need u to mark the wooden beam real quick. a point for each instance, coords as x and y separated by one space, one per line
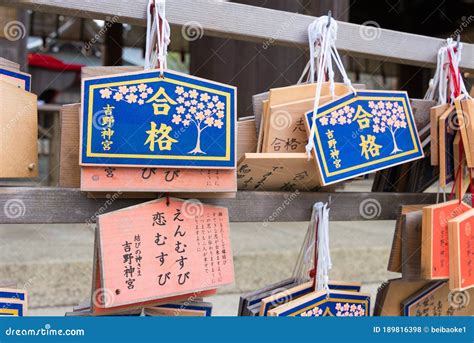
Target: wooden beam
31 205
244 22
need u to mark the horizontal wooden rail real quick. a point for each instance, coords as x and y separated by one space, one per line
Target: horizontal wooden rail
31 205
266 26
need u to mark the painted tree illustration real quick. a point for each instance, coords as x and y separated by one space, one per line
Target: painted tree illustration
383 116
388 116
200 110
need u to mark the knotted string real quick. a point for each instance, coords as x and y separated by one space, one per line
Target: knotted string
157 37
322 34
323 263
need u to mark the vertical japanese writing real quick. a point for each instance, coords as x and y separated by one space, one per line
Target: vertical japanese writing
107 124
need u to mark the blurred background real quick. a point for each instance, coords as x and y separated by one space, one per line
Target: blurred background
55 261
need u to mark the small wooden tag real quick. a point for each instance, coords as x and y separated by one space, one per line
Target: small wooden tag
461 249
435 242
158 250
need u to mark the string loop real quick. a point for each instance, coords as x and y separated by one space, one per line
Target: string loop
157 37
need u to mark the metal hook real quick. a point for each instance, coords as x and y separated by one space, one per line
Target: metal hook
329 18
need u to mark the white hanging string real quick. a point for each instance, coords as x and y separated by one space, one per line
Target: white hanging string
305 260
442 82
324 255
322 34
158 36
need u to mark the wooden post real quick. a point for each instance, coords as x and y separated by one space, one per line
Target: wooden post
113 45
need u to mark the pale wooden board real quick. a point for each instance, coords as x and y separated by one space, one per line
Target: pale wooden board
9 64
274 171
463 125
392 293
19 132
436 302
467 107
69 169
66 205
101 71
411 245
395 259
244 22
247 137
435 113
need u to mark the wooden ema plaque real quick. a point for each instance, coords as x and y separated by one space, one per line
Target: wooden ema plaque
391 294
19 132
461 249
324 304
435 113
361 133
274 171
13 302
148 119
435 243
125 179
435 299
282 296
158 251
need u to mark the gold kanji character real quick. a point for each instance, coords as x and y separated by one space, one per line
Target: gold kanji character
107 133
330 134
332 143
161 102
108 121
160 136
363 118
369 147
108 110
334 153
106 145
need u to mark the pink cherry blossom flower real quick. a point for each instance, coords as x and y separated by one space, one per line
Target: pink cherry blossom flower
105 93
176 119
179 90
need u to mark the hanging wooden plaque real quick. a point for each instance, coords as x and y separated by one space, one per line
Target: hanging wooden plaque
362 133
144 119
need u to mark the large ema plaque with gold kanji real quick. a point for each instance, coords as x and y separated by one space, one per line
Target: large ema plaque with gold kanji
145 119
364 132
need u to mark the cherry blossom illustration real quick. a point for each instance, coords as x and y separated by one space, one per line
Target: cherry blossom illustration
199 109
384 116
133 94
349 310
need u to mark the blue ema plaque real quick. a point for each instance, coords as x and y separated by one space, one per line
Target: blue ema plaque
23 77
144 119
362 133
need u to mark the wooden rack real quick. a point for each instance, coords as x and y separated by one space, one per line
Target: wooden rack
249 23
